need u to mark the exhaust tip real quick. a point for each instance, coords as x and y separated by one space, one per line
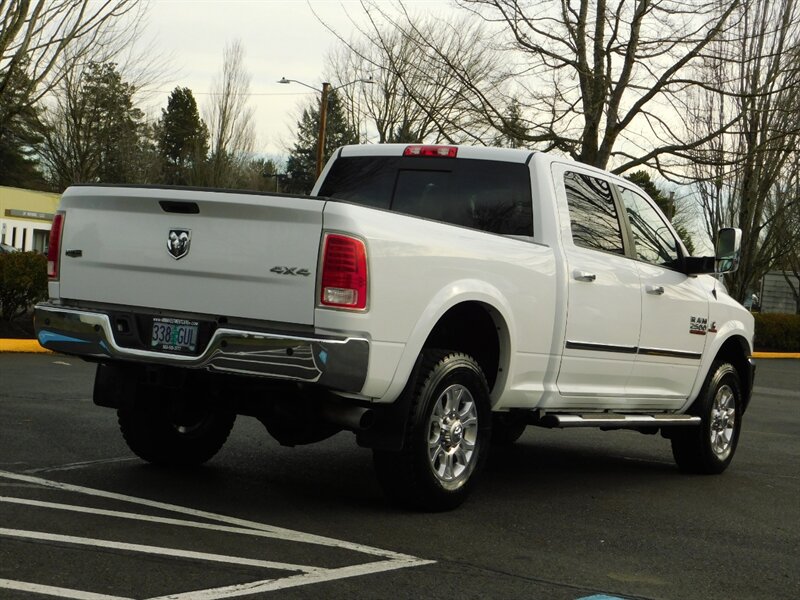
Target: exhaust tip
367 419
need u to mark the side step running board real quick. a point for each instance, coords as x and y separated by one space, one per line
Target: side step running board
616 421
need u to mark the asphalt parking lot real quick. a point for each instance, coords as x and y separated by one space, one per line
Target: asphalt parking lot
561 515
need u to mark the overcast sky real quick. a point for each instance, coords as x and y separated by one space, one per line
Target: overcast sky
280 38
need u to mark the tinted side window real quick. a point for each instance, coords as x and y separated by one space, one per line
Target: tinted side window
487 195
368 181
654 241
494 196
592 213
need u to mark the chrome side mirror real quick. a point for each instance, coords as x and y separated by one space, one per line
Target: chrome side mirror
729 249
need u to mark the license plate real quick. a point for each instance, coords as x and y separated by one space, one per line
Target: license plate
174 335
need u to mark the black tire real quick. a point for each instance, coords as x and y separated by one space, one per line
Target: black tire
709 448
176 436
447 436
507 428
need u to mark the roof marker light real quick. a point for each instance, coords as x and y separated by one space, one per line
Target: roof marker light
428 150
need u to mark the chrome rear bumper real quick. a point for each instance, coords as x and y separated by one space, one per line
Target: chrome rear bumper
339 364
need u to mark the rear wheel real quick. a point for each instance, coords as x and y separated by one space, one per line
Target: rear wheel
177 435
447 435
710 447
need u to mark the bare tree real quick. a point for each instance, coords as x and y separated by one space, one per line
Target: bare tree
788 228
602 80
417 96
38 34
230 119
747 176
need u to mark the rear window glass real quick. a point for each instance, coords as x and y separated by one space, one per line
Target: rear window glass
488 195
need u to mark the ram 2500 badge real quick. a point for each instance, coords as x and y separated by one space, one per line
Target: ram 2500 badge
432 299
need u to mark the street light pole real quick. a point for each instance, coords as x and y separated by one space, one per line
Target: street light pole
323 112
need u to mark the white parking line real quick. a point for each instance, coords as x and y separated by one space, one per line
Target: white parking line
307 574
157 550
277 532
137 517
270 585
49 590
80 465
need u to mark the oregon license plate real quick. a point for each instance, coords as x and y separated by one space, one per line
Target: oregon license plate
174 335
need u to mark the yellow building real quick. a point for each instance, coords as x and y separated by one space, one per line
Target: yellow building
25 217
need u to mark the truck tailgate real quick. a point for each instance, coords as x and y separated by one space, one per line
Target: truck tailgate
256 255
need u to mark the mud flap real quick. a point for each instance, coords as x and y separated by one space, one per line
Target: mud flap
391 420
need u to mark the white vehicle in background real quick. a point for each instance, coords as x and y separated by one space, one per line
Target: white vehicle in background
431 299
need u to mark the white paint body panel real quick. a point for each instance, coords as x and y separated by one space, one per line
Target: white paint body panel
236 240
665 325
418 270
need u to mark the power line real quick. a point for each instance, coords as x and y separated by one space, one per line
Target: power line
231 94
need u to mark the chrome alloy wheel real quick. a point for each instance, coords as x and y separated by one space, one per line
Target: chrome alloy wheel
723 422
452 435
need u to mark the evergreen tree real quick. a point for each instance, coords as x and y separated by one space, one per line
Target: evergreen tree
96 133
19 131
182 139
513 129
259 174
302 164
114 122
403 134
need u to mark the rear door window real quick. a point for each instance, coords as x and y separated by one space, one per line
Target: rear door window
593 214
488 195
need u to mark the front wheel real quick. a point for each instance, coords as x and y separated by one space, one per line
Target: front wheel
709 448
447 435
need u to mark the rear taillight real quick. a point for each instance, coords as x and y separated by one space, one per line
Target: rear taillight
344 272
427 150
54 246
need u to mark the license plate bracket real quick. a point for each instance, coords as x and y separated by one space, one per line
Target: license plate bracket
174 335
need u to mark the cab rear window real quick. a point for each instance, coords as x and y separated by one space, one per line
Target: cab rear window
488 195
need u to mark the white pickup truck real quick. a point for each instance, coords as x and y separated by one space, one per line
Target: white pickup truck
432 299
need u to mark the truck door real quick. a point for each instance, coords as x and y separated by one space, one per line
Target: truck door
604 298
675 307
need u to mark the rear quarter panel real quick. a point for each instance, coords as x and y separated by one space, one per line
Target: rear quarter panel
420 269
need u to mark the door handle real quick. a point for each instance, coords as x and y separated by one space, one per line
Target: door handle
583 276
655 290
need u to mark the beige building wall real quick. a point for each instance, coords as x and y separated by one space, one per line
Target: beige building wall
25 217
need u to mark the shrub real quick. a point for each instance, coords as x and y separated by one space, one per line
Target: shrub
23 282
777 332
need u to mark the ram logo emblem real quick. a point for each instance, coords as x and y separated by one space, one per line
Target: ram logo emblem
178 242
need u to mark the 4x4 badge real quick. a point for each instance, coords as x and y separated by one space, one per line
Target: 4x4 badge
178 242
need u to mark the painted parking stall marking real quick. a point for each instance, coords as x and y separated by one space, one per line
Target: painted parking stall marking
378 560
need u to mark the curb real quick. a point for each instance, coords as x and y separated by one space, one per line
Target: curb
32 346
776 354
27 346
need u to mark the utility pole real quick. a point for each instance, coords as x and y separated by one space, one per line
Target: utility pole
323 124
323 111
